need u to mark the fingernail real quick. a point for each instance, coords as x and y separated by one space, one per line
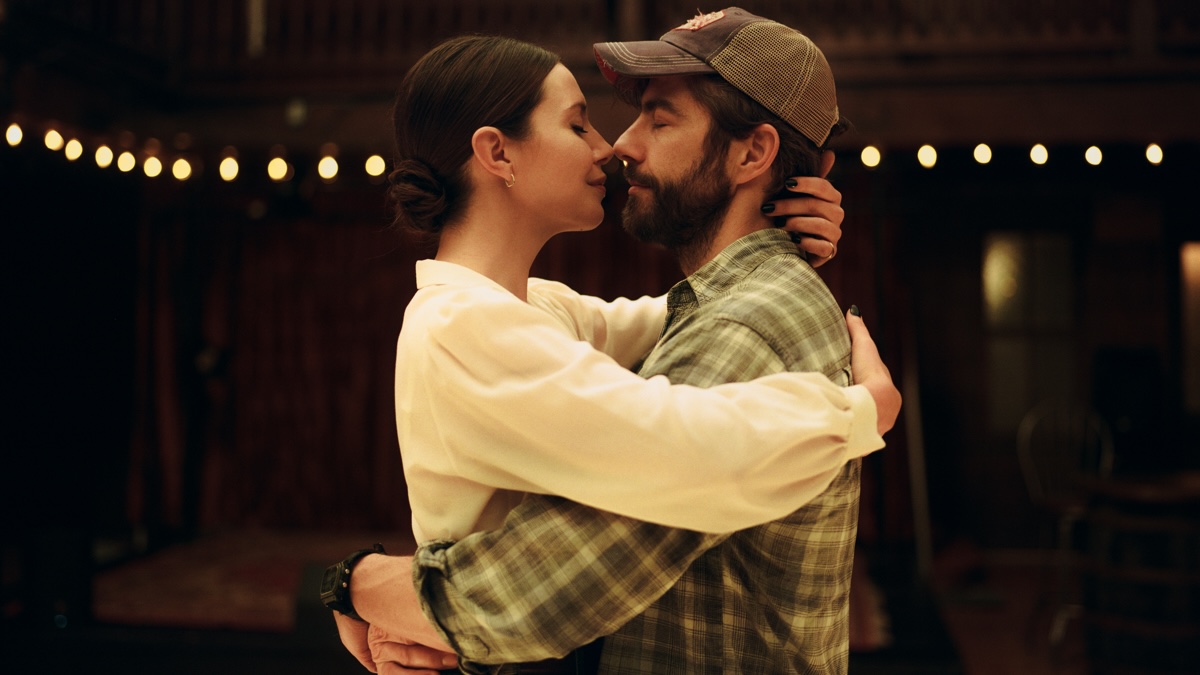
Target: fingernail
854 310
768 208
789 183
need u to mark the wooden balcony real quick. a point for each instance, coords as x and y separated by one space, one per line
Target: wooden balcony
907 69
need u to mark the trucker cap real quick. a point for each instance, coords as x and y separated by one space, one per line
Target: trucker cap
773 64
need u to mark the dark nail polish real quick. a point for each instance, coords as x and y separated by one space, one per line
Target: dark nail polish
789 183
768 208
854 310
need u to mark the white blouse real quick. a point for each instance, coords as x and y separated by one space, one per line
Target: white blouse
496 397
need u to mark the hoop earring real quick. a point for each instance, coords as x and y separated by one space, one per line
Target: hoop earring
511 181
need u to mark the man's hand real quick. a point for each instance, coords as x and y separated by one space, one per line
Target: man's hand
387 654
396 656
870 371
354 639
815 214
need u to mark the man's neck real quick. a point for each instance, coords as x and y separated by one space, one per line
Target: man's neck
742 218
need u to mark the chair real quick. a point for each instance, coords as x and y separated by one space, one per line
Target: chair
1060 442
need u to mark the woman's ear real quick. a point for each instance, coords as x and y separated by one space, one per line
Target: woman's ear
755 154
487 145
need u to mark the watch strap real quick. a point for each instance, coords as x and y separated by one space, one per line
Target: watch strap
335 591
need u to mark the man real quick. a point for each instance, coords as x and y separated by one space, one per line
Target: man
730 104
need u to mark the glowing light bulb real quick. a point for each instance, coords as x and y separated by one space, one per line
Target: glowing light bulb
1039 154
277 169
104 156
228 169
1093 156
54 140
375 166
927 156
871 156
13 134
983 154
73 149
327 168
126 162
1154 154
181 169
152 166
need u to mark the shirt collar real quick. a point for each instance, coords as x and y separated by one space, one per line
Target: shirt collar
441 273
732 265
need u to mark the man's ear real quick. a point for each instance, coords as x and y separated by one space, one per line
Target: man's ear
826 163
487 145
755 154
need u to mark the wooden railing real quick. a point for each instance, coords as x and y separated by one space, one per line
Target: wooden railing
215 48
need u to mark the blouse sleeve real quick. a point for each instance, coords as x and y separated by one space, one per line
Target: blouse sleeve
519 405
624 329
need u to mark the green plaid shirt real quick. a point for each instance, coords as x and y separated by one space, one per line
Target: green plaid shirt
768 599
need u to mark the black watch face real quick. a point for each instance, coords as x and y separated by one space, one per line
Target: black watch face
330 581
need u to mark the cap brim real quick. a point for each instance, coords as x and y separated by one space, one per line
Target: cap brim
648 58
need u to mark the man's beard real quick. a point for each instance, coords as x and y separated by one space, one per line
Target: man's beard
682 215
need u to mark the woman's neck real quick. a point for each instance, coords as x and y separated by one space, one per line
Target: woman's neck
500 247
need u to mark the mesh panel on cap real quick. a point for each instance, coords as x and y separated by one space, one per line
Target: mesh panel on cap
784 72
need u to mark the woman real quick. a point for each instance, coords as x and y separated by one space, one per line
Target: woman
507 384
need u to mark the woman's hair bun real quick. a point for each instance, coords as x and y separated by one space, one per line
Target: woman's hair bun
419 194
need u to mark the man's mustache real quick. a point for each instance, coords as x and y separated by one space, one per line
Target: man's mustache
634 176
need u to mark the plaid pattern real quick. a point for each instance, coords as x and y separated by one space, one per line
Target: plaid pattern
769 599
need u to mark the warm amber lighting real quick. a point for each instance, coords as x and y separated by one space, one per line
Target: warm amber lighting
181 169
983 154
927 156
375 166
1154 154
228 169
1002 270
278 169
14 134
104 156
152 167
1039 154
1189 273
1093 156
327 168
126 162
871 156
54 140
73 149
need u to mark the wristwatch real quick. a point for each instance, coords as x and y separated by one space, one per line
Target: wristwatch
335 585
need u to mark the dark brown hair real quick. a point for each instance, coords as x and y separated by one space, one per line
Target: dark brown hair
735 115
459 86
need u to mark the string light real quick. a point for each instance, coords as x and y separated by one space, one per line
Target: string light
927 156
870 156
278 169
152 166
1154 154
328 166
375 166
327 169
104 156
181 169
228 169
54 140
1039 154
73 150
983 153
